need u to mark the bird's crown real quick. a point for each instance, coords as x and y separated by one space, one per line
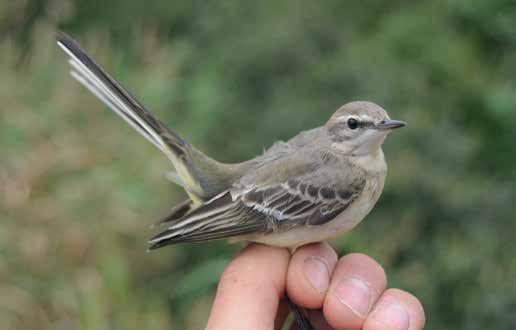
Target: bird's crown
363 111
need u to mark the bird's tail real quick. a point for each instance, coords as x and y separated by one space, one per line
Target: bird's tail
200 175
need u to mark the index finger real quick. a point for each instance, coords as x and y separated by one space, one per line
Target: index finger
250 289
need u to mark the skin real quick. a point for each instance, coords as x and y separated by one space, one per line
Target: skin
346 293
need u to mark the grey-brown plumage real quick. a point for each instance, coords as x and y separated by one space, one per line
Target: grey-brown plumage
313 187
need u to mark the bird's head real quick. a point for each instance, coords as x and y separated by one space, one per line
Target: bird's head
359 128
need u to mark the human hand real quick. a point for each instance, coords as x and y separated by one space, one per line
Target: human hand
349 293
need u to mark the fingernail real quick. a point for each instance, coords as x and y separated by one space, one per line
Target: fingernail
355 294
317 273
393 316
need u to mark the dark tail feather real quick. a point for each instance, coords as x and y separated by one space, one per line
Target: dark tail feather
201 176
90 74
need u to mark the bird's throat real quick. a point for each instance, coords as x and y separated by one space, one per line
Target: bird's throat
372 162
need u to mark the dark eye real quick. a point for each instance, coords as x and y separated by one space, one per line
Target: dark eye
352 123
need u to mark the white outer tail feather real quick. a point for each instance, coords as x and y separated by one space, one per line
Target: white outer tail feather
88 79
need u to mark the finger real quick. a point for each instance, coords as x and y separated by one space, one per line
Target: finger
396 310
356 284
250 289
308 276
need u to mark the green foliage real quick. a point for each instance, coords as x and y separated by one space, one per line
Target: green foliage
79 189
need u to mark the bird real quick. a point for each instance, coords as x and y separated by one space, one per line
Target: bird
314 187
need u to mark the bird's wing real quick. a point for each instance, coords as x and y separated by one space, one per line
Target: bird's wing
189 163
311 199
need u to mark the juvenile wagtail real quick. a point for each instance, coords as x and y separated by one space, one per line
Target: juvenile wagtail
314 187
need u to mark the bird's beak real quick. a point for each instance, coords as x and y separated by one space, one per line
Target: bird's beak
390 124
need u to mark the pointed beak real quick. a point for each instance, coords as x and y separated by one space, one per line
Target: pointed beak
390 124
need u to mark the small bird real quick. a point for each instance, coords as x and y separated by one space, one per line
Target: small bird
314 187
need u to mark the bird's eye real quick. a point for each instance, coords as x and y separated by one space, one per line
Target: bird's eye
352 123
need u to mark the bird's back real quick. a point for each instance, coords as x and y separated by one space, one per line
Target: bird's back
302 153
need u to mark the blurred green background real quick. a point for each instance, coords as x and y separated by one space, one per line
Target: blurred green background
79 188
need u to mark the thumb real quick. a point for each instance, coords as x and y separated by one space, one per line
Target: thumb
250 289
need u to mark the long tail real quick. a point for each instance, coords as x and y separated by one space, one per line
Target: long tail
200 175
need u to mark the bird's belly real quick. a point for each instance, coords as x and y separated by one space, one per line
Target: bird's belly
342 223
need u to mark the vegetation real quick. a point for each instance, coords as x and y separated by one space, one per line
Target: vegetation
79 189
